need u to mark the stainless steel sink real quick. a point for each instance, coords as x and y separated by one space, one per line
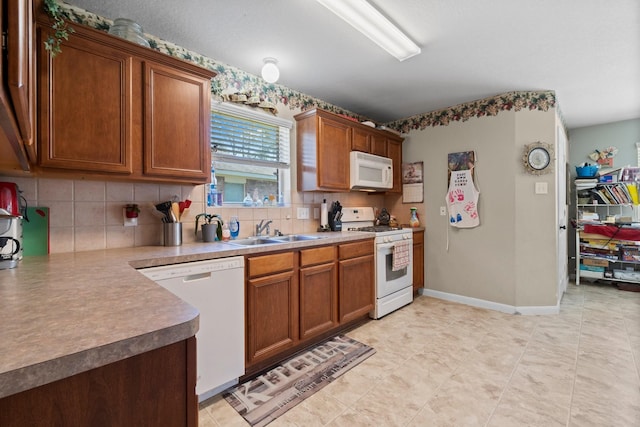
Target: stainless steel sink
296 238
254 242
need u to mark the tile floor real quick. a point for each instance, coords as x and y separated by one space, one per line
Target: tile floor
444 364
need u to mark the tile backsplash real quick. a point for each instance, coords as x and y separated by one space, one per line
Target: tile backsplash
87 215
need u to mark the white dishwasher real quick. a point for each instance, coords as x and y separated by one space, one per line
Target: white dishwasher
216 288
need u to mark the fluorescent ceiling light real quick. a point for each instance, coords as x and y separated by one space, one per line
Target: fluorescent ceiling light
366 19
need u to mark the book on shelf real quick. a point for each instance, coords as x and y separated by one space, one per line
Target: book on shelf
618 193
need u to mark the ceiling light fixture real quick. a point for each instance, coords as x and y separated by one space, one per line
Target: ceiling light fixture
270 72
366 19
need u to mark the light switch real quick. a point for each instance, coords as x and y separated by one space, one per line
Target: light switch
542 188
303 213
443 210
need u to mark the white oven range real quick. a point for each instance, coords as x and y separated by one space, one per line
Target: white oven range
393 288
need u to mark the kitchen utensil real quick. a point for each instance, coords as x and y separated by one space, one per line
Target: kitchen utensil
175 211
165 208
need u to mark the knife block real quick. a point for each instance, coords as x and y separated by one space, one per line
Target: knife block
334 225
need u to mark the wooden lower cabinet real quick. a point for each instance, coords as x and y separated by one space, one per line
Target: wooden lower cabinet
356 278
418 260
156 388
271 306
318 291
297 298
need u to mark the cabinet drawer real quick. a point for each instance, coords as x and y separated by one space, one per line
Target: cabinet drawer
268 264
353 250
317 255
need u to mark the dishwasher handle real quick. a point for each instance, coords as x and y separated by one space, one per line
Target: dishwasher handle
196 277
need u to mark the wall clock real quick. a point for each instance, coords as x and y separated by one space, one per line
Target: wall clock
538 158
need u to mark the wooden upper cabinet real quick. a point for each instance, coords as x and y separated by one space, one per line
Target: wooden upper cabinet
324 143
394 151
176 138
379 145
85 110
361 141
20 70
115 109
17 86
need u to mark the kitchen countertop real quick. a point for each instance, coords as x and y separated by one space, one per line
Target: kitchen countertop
63 314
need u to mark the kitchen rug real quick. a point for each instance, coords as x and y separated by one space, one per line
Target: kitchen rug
267 396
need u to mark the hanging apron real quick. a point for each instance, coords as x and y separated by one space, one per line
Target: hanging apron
462 200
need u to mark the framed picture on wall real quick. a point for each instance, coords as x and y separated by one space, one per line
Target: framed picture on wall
412 182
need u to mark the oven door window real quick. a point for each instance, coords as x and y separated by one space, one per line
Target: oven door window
391 275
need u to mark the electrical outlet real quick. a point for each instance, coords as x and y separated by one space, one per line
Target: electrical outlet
443 210
316 213
303 213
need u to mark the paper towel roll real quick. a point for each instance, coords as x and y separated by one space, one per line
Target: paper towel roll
324 214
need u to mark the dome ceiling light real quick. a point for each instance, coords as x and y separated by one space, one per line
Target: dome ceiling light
270 72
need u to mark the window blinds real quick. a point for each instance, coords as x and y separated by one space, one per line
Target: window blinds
243 136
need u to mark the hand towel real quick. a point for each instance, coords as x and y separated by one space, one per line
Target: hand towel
401 255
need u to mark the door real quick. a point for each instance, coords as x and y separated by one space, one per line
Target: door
562 208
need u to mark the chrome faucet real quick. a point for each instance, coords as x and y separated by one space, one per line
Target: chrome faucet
262 226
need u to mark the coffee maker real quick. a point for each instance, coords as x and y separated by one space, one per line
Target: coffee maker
13 209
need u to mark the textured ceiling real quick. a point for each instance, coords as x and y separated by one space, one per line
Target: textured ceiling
587 51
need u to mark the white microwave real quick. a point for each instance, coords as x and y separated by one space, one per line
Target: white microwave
369 172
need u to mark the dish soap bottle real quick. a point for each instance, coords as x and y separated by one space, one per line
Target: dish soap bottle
414 221
226 233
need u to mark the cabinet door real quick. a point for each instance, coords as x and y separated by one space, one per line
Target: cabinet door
418 260
361 140
394 151
271 316
20 63
176 123
379 145
16 85
85 96
356 278
333 145
318 299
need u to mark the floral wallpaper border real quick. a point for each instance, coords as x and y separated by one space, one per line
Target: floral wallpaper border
516 101
233 80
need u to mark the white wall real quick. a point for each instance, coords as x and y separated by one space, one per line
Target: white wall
510 258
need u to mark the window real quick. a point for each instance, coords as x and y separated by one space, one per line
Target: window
250 155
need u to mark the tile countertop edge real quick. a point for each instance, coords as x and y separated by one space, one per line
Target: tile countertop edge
99 309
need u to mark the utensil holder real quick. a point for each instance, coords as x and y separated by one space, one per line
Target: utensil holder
172 233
